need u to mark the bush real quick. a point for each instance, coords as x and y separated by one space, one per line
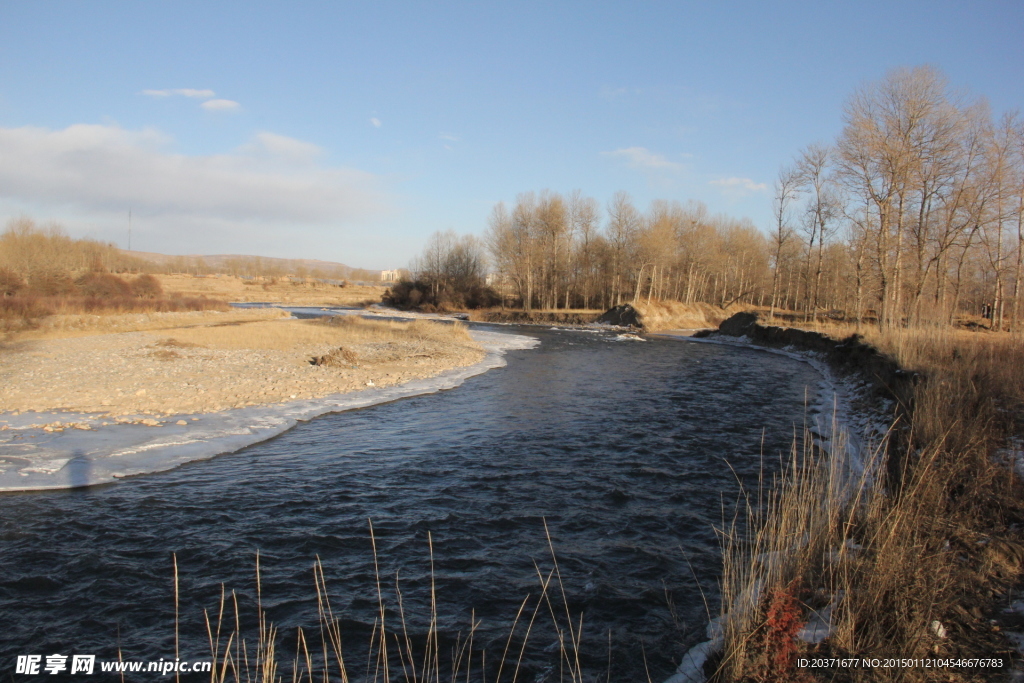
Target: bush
404 295
103 286
20 311
418 294
10 282
52 283
147 287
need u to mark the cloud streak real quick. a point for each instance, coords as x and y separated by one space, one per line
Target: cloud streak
739 187
644 159
220 105
97 169
184 92
210 104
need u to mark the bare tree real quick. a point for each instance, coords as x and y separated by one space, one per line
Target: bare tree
891 130
624 223
787 190
812 174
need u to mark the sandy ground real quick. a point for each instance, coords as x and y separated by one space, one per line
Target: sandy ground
144 373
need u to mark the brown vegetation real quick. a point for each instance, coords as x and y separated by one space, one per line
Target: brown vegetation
258 268
449 275
915 557
283 290
397 648
43 272
551 253
658 316
330 330
913 216
63 326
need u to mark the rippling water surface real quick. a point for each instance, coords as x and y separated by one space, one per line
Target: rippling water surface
621 446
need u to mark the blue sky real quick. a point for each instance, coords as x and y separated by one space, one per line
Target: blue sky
351 131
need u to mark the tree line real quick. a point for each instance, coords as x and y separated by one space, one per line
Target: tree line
913 215
551 251
44 256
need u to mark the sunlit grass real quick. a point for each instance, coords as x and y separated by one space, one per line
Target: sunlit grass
901 550
286 335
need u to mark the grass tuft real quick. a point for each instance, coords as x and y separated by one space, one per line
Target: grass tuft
907 552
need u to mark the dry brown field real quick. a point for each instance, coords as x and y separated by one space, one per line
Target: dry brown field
282 290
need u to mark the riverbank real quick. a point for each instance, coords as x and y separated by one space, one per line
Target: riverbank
136 435
649 316
919 557
518 317
213 365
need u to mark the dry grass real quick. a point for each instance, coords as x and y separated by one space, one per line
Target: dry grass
27 311
914 553
287 335
281 290
393 653
358 328
669 315
79 325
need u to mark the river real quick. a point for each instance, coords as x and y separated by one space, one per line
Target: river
630 451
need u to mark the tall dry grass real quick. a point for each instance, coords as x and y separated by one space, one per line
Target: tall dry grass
394 652
910 556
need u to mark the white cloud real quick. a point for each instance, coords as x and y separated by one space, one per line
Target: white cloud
95 170
185 92
739 187
282 147
643 158
376 122
219 105
449 137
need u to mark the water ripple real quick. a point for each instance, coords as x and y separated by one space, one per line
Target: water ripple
622 448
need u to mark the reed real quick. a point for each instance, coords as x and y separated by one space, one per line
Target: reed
392 652
909 550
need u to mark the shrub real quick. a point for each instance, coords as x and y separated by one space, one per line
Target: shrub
418 294
19 311
10 282
51 283
147 287
103 286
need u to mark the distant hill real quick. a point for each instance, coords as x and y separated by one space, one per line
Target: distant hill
243 264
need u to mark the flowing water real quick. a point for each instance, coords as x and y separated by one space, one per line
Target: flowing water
631 452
